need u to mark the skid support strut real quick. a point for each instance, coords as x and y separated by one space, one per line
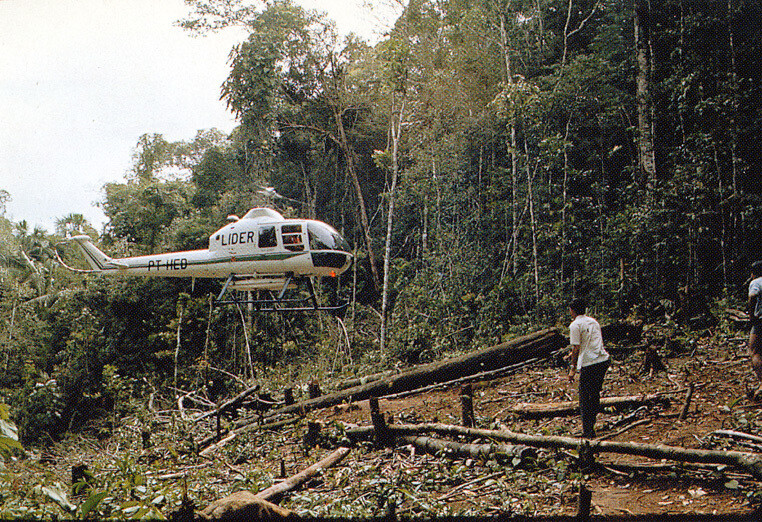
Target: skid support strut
237 291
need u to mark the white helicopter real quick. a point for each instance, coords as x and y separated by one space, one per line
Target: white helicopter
262 251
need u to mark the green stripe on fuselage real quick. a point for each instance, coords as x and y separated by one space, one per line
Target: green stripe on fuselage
243 258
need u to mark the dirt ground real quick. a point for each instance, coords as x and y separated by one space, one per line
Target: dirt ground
625 485
370 479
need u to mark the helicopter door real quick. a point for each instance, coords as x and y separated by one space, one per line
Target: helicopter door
267 238
292 237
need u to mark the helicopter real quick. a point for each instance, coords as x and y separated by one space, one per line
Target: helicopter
261 252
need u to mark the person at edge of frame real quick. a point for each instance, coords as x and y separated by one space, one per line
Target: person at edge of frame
754 309
590 358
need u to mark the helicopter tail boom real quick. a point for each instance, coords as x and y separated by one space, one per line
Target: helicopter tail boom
97 260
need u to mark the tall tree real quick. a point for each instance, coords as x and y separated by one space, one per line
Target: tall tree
644 57
293 76
396 54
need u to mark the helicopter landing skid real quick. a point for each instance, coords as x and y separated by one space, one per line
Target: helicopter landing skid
238 291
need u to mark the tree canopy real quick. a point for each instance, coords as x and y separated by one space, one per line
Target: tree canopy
533 152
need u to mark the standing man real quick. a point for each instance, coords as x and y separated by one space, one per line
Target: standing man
591 359
754 308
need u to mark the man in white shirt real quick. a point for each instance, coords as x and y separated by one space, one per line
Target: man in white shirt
591 359
754 308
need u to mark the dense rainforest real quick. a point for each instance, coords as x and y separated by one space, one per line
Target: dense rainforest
487 160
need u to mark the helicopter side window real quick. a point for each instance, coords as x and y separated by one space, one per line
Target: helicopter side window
292 237
267 237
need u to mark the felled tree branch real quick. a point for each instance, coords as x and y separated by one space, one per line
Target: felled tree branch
749 462
538 344
245 505
303 476
559 409
458 450
229 404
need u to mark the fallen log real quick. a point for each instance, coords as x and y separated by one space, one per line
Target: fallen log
245 505
560 409
621 332
359 381
473 451
482 376
735 435
739 317
626 428
749 462
211 439
539 344
687 403
229 404
217 445
303 476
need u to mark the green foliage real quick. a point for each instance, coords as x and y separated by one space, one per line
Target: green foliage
140 212
40 409
9 438
516 192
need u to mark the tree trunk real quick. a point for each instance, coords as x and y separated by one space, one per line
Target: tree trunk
246 339
539 344
535 411
349 158
244 505
396 128
513 147
564 205
646 152
749 462
728 251
303 476
178 339
533 227
457 450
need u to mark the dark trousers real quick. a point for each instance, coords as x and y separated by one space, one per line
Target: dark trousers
590 384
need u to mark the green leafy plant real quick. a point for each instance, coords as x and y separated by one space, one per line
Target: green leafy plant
9 435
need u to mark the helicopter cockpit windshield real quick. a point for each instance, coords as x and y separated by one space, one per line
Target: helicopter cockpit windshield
323 237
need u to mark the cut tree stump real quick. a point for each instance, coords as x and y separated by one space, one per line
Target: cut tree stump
288 396
583 504
313 389
467 406
379 423
652 363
